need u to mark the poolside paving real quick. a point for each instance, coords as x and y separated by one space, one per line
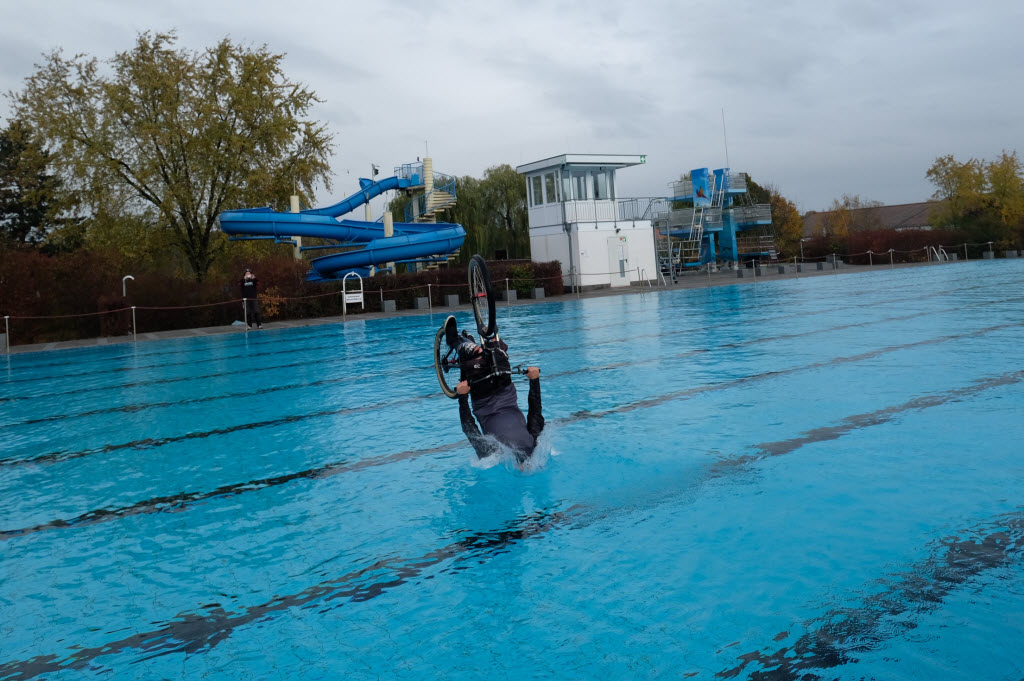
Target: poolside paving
725 277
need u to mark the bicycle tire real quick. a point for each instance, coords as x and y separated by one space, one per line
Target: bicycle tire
439 365
482 296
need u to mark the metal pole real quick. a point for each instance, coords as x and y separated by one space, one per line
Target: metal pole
382 300
245 314
430 303
871 260
7 333
966 258
796 268
508 303
890 259
835 264
135 330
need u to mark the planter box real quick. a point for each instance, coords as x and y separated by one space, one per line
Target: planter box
988 255
509 295
1011 254
537 293
389 306
422 303
451 300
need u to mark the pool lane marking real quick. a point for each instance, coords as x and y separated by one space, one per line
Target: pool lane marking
840 636
181 501
135 408
149 443
618 323
201 631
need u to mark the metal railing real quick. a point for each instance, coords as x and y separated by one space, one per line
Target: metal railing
440 197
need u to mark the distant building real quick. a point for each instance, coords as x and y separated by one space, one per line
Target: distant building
897 218
577 218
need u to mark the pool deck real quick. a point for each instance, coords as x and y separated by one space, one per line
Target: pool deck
688 281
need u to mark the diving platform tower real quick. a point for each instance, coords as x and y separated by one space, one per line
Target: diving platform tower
710 219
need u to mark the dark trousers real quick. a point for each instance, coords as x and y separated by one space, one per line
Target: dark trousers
252 312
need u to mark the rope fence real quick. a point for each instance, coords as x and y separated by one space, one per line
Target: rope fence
573 275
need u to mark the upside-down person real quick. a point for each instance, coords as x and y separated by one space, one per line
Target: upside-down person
486 376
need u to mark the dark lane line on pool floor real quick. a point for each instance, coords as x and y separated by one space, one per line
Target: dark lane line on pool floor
397 371
921 589
185 500
740 323
150 443
836 637
200 631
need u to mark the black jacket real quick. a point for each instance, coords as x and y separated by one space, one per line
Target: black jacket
248 288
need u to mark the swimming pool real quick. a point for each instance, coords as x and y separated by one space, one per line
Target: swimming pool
814 478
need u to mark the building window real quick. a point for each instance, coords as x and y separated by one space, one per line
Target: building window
579 185
549 188
601 185
536 198
566 186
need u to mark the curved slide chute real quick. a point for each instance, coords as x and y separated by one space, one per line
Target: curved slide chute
411 240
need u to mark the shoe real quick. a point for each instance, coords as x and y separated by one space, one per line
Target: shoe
451 332
259 326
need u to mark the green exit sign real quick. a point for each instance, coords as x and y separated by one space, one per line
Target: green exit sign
643 158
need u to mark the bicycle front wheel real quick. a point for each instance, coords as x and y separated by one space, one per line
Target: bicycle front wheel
482 295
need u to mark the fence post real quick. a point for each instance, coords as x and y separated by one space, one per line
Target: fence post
430 303
835 264
381 300
890 259
7 333
135 333
245 313
871 260
966 258
508 303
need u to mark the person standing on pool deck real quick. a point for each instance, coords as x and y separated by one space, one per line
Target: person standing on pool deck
249 284
485 373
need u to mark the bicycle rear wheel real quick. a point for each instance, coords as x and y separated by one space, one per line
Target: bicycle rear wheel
442 365
482 296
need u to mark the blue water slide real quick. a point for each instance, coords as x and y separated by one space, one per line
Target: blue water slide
411 240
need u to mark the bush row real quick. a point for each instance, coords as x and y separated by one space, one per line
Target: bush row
70 289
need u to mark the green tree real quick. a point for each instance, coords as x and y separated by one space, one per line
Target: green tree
176 136
1006 194
789 226
28 188
504 193
960 187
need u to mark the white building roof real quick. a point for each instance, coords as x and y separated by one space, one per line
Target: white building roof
605 160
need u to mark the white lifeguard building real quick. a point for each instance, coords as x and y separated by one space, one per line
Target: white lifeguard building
576 218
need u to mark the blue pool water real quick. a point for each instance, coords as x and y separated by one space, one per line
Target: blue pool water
816 478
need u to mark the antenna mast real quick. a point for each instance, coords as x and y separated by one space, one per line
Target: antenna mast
725 139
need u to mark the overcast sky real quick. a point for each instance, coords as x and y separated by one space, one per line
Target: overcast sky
820 99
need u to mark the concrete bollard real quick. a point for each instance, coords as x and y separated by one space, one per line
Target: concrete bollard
422 303
509 295
800 267
1011 254
451 300
739 274
757 271
388 306
988 255
952 257
537 293
821 266
782 269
